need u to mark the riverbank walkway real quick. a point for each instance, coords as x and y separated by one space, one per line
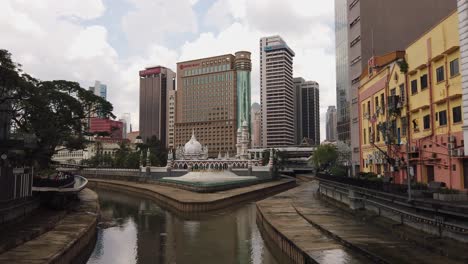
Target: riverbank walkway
315 226
52 236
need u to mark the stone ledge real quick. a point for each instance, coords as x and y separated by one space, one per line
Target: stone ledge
191 202
66 242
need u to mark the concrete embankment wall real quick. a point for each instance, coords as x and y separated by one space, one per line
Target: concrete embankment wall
395 211
70 241
186 205
18 210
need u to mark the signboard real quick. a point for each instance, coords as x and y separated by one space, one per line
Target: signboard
183 66
150 71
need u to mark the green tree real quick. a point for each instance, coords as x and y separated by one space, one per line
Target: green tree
158 152
55 112
325 157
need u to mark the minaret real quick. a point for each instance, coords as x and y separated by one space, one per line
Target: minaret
243 66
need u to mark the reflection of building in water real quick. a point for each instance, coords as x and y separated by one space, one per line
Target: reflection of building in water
151 234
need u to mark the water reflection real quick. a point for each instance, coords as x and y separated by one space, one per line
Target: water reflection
145 233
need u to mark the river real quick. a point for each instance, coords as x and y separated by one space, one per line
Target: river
137 230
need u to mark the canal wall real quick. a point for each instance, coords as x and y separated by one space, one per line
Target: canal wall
191 202
70 241
429 218
18 210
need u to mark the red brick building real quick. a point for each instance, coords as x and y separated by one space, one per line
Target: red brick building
114 128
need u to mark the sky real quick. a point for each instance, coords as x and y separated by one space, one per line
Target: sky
111 40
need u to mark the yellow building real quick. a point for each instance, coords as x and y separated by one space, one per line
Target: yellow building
427 89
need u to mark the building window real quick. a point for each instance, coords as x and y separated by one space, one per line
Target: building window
440 74
427 122
365 138
403 126
457 115
356 60
353 4
415 125
355 41
454 68
402 92
423 82
355 21
382 103
414 87
368 107
442 118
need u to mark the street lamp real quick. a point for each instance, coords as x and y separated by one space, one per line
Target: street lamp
408 169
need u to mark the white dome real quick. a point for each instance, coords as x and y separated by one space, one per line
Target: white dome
192 147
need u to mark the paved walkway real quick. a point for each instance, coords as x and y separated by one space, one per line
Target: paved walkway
39 222
65 241
280 213
376 242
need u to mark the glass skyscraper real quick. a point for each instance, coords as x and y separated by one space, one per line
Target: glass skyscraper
342 83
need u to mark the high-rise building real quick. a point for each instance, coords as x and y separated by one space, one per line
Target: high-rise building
156 84
171 119
277 92
99 89
375 27
342 62
331 133
298 109
307 111
208 98
256 116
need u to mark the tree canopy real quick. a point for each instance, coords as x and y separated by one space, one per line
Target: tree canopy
325 157
54 112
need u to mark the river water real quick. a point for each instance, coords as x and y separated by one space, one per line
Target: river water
137 230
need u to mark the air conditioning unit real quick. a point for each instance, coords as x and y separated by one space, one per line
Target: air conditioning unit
450 146
451 139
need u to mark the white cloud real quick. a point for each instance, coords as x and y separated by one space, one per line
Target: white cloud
151 21
47 37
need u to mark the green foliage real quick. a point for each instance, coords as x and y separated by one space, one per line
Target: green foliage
403 66
339 170
53 111
325 157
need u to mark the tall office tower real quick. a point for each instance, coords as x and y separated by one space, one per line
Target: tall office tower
331 133
243 67
342 62
207 98
171 119
375 27
277 92
298 109
156 83
128 120
256 116
124 127
99 89
307 111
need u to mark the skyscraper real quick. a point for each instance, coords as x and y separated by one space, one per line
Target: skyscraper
298 109
331 124
372 27
156 83
342 62
277 92
256 117
307 111
99 89
212 95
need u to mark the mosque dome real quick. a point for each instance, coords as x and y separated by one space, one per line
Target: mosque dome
193 147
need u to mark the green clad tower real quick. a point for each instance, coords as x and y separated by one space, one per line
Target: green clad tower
243 66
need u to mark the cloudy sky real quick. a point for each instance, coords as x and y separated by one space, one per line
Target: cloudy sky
111 40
